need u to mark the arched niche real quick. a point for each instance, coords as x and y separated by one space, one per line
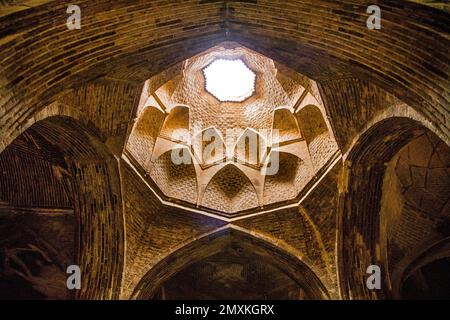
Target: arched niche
284 126
176 125
143 137
230 190
89 174
321 144
209 146
174 173
312 122
285 175
239 243
250 148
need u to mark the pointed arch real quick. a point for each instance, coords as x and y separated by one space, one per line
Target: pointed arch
284 126
321 143
176 125
285 176
360 238
250 148
217 241
209 146
176 180
312 122
142 139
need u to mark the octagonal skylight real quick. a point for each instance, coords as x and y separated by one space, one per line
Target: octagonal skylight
229 80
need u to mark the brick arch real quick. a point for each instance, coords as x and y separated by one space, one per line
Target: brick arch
209 146
312 122
397 111
292 175
318 136
299 39
250 147
97 203
215 242
176 181
176 124
414 213
286 123
143 137
360 239
52 110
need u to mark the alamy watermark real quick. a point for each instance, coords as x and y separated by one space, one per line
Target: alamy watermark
74 20
374 20
373 282
74 280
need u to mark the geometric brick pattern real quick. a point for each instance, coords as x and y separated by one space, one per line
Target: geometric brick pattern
230 190
382 95
267 115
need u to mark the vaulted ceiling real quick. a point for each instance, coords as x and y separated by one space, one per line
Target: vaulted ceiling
87 119
281 127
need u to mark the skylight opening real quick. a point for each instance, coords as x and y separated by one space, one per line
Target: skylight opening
229 80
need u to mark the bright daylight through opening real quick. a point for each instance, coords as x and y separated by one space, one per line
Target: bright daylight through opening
229 80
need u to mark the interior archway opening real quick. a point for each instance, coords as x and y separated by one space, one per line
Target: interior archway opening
38 224
61 191
234 273
397 203
230 264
